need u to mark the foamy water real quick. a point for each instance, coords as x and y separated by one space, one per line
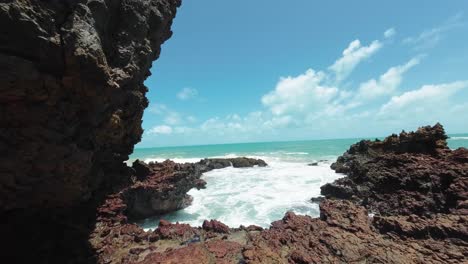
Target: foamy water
259 195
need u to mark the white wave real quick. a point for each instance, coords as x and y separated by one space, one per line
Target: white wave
458 138
257 195
178 160
296 153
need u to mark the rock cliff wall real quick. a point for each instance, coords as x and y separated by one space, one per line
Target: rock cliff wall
72 94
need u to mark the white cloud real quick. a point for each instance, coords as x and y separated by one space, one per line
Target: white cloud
169 116
423 99
430 38
158 109
191 119
163 130
315 103
389 33
172 118
303 93
352 56
387 82
187 94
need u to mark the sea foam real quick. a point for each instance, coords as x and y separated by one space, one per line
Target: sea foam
259 195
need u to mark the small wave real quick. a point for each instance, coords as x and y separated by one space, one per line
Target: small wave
178 160
458 138
296 153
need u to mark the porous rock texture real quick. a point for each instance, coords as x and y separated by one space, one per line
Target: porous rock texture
71 103
345 232
72 94
413 173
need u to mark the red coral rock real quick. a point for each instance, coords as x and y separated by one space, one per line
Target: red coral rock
216 226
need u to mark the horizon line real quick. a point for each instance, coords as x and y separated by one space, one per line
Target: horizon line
278 141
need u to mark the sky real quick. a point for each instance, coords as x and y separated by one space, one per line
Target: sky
270 70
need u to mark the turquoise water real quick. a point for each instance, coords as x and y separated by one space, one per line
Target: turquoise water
258 195
294 150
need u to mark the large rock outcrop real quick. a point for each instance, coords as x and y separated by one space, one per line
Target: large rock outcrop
72 94
413 173
71 102
363 226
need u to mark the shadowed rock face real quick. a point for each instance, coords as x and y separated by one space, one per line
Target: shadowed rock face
72 94
71 102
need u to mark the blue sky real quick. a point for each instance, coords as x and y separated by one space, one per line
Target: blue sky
246 71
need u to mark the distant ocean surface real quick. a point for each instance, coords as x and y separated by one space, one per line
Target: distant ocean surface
258 195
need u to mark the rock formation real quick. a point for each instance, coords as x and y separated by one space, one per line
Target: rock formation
162 187
72 94
413 173
71 102
363 226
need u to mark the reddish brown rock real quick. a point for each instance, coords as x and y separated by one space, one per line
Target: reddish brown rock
413 173
192 254
216 226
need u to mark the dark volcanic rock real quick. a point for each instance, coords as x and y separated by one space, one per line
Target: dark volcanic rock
72 94
164 185
414 173
241 162
344 233
71 102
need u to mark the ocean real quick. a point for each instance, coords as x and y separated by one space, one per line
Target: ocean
257 195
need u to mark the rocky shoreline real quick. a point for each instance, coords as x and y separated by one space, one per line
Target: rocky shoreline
421 218
72 98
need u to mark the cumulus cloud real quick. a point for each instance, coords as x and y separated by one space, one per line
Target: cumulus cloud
387 82
168 116
173 118
187 94
157 109
431 37
163 129
389 33
422 99
318 102
303 93
354 54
